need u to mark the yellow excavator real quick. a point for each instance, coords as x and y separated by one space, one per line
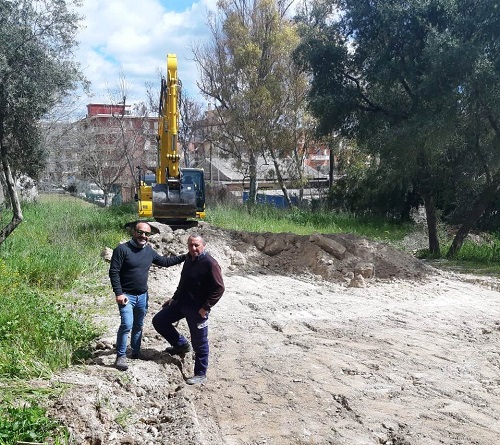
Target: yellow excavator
174 195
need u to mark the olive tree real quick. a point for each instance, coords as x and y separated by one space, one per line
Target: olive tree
37 70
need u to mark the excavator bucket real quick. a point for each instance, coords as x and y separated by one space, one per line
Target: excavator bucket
170 210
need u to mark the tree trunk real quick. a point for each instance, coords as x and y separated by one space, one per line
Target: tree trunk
17 216
332 166
431 216
253 186
280 179
476 212
286 195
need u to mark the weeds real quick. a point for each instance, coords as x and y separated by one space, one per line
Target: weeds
302 222
29 424
21 417
55 249
60 240
473 257
123 418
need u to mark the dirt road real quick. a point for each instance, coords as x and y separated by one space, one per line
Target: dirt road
301 360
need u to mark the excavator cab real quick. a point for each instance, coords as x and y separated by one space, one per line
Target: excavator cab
193 187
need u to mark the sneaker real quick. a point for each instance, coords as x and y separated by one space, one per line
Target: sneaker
135 355
178 350
196 380
121 363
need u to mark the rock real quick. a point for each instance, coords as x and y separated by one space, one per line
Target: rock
167 237
358 281
106 254
328 245
365 269
273 247
237 259
259 242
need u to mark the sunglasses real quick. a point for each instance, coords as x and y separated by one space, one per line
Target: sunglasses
142 232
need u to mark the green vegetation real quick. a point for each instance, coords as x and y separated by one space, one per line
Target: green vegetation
425 120
60 240
27 424
44 328
479 258
263 218
27 421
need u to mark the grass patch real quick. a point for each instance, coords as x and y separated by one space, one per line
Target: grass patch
29 424
60 239
22 418
263 218
477 258
39 334
55 250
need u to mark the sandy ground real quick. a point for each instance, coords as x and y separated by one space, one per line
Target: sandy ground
297 359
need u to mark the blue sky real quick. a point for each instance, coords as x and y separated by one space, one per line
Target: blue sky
176 5
133 37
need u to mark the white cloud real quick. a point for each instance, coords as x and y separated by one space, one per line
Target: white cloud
133 37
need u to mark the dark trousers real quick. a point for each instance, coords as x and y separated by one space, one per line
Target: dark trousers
163 323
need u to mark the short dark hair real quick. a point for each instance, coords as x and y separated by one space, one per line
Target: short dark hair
197 235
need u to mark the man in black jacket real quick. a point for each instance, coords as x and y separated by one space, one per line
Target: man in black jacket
200 288
128 273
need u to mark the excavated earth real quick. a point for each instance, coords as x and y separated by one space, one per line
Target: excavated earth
322 339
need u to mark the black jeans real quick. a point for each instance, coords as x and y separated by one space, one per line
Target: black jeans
198 329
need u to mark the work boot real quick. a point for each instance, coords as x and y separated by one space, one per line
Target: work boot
196 380
178 350
121 363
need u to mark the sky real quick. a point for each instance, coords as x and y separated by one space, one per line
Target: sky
131 39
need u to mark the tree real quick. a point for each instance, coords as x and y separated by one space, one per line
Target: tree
289 136
114 144
400 76
190 116
245 70
36 72
480 106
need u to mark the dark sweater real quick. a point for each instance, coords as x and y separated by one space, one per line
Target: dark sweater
201 282
130 265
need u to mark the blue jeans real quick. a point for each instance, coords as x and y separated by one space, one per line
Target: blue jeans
198 329
132 319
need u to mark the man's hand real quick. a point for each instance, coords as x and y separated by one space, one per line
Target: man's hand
122 299
203 313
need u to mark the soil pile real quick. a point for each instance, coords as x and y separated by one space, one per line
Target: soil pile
333 257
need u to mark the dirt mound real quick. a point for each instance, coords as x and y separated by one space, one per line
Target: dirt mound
339 258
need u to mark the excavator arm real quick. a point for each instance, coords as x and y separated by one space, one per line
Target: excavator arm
168 156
